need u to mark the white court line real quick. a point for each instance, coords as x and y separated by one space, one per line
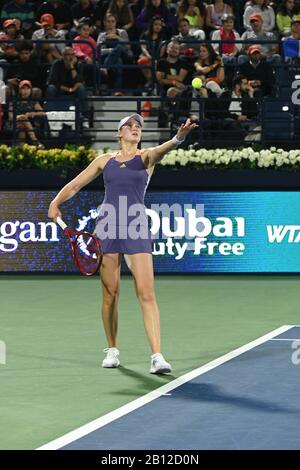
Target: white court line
139 402
285 339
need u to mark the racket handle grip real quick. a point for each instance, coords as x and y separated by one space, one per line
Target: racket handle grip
61 223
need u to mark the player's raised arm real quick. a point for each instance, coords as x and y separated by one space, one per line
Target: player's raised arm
155 154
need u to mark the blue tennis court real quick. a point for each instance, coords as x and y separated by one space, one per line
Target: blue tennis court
247 399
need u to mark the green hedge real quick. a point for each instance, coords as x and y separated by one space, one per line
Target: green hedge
28 156
72 157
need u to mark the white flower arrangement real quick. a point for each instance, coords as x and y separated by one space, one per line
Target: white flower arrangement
228 158
245 158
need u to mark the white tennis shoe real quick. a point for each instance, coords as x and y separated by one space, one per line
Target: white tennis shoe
159 365
112 358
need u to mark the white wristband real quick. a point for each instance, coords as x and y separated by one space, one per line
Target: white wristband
176 141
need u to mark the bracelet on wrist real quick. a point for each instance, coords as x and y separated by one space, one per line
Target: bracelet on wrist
177 141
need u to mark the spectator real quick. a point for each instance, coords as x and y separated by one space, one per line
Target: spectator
261 8
19 9
187 37
26 67
100 12
60 11
240 103
27 114
171 72
172 75
151 41
210 68
48 52
214 13
194 11
122 11
82 9
113 52
291 44
136 7
259 72
228 51
66 80
286 11
257 34
8 46
85 53
158 9
230 117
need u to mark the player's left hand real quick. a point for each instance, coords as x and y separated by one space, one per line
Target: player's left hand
185 129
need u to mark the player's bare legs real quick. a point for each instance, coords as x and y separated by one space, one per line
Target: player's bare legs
141 266
110 278
142 270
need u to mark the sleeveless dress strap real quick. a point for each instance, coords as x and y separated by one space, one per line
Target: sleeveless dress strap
114 154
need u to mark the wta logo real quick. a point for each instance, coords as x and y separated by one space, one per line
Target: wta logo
283 233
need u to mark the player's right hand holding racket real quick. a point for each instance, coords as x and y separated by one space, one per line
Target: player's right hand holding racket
86 249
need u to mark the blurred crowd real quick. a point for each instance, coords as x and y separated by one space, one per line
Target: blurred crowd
60 48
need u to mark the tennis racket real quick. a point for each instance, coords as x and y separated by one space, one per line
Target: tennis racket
86 249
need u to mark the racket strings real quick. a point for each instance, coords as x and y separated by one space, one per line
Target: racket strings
87 246
88 254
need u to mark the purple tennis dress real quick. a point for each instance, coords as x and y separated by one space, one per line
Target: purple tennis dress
122 224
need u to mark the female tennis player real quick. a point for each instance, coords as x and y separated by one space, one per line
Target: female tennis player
126 175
